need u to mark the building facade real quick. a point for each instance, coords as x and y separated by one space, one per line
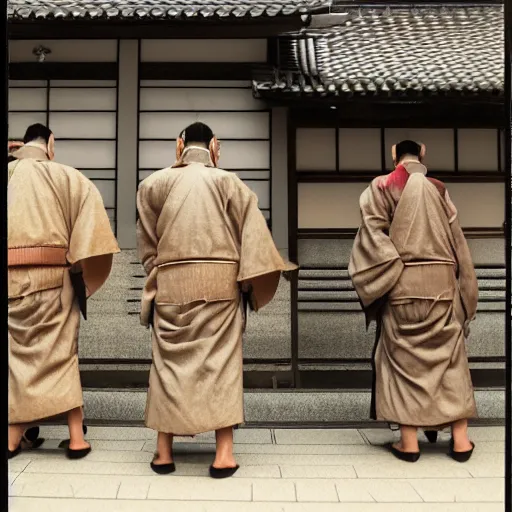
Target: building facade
307 99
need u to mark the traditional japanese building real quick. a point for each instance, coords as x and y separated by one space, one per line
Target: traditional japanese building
307 98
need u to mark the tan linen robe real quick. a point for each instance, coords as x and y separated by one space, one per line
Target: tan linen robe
201 237
412 270
56 221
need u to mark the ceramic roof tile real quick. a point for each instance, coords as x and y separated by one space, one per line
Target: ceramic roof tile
158 9
398 51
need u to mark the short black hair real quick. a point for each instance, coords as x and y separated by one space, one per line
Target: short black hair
197 132
407 147
37 131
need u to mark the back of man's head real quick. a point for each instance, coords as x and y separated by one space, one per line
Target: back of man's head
197 133
407 148
37 133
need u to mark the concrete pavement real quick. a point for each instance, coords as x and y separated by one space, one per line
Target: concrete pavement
282 470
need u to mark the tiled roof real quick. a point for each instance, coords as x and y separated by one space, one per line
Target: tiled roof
394 52
158 9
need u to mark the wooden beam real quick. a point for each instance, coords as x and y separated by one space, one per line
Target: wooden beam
63 71
357 177
196 70
344 4
231 28
429 113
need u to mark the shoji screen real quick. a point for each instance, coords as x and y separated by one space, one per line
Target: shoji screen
333 167
349 153
241 123
83 117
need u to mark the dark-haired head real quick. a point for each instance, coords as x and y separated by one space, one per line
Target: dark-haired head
407 148
41 136
197 133
201 135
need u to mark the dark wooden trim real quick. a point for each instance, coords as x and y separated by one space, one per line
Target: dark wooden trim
196 28
268 379
344 4
313 234
337 148
273 51
349 233
500 156
383 149
356 176
100 361
508 254
293 246
456 150
483 232
362 379
4 487
196 70
392 114
63 71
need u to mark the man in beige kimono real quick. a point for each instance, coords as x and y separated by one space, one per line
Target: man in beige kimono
60 248
412 270
202 239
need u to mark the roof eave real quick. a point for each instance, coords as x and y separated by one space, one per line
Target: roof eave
339 98
150 28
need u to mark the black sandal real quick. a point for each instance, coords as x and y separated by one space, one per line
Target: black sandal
460 456
163 469
77 454
12 453
65 443
31 439
403 456
431 435
223 472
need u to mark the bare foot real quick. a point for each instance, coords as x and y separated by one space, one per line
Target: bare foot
399 446
461 442
79 445
222 462
15 436
160 461
462 445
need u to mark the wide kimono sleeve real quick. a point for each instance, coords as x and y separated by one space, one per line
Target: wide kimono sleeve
260 265
92 243
468 283
147 240
147 245
375 265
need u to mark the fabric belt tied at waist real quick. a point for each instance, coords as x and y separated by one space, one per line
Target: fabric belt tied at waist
183 283
22 281
34 256
433 262
426 279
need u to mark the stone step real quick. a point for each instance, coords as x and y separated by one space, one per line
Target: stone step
336 407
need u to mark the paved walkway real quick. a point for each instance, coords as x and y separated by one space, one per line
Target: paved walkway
282 471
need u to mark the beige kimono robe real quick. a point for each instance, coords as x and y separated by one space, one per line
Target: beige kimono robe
412 270
56 221
201 237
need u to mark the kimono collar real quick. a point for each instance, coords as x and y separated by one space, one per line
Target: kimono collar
414 166
194 155
30 152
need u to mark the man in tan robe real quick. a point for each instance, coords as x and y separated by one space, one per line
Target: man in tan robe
201 240
412 270
60 248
